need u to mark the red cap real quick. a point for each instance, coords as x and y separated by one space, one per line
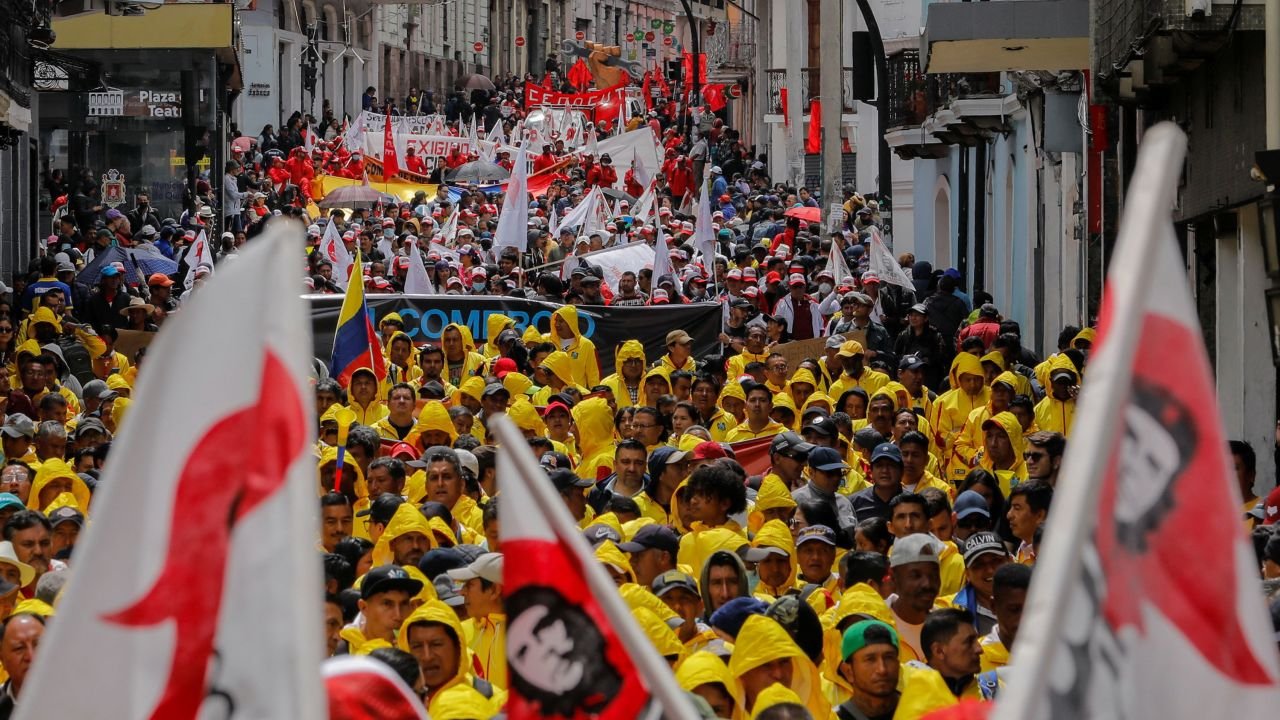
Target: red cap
708 450
772 277
403 448
503 366
1271 507
553 405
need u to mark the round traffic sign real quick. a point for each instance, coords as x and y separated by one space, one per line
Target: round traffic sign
478 47
735 91
667 41
649 36
519 41
579 35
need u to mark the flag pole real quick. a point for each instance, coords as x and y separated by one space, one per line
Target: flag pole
1146 223
657 674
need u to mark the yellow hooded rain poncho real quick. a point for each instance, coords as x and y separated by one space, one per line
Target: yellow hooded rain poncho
60 473
594 421
586 365
705 668
775 694
622 396
472 361
661 635
951 409
772 495
1053 414
494 324
762 640
435 611
775 534
1011 476
407 519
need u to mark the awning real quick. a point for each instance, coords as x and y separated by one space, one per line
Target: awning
974 37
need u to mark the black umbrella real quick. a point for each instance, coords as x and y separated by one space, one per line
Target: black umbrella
478 82
616 194
479 172
355 196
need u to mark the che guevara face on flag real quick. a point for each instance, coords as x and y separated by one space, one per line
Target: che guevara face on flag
563 657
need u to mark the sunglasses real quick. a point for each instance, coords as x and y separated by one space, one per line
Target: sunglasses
6 329
1034 456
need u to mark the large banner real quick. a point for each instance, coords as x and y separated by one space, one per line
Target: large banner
535 94
425 317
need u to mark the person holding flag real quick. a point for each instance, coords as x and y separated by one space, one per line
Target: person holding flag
355 342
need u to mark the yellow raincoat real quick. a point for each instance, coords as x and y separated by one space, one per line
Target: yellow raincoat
407 519
736 367
488 643
783 401
609 554
775 694
586 365
762 640
969 441
776 534
705 668
861 600
434 416
803 376
952 408
494 324
594 421
994 653
435 611
559 364
1018 473
697 546
661 635
773 494
373 412
659 371
411 373
1053 414
472 361
629 349
460 702
54 469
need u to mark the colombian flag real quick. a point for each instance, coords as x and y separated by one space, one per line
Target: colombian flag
355 343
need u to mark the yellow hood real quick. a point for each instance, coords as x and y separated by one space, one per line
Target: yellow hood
1087 334
964 364
610 519
32 606
407 519
473 387
704 668
1008 378
818 399
662 637
861 599
628 350
762 640
732 389
923 691
803 375
638 596
494 325
569 314
468 342
413 356
609 554
116 382
525 415
435 416
517 384
885 392
435 611
561 365
531 336
428 591
775 694
783 400
460 702
901 396
64 499
1009 422
50 470
773 494
996 357
776 534
594 421
329 456
697 547
1061 362
45 315
657 371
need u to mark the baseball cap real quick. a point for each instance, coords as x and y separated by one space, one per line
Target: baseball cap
486 567
554 461
1271 507
447 592
823 425
816 533
109 271
855 638
65 266
886 451
652 537
662 457
494 389
386 578
11 500
564 478
18 425
789 442
834 342
983 543
796 279
599 532
914 549
741 303
988 310
971 502
708 450
678 336
88 425
827 460
672 580
911 362
65 514
159 280
918 308
382 508
867 438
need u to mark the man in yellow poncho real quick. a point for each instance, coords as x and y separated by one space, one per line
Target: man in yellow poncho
364 400
567 337
625 382
774 552
401 367
705 675
407 538
856 374
1002 450
399 422
951 409
461 361
385 596
969 441
759 422
559 370
482 595
494 324
433 635
594 421
765 654
52 479
952 650
444 484
1057 410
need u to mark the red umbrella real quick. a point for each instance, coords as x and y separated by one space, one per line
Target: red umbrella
807 214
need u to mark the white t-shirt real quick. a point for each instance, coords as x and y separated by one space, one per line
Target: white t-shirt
908 634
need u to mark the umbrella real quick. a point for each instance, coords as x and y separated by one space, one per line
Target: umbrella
150 260
93 271
479 172
616 194
807 214
244 143
355 196
478 82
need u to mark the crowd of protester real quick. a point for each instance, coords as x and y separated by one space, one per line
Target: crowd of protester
877 564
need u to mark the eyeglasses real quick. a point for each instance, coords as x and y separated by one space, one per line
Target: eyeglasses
6 329
1034 456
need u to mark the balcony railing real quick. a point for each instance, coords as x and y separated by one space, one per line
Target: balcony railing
915 95
810 88
733 45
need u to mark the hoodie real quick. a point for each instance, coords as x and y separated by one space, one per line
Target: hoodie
472 361
494 325
586 364
660 634
762 640
952 408
460 702
54 469
435 611
1053 414
373 412
594 421
775 534
705 668
1018 473
969 441
622 396
697 546
559 364
704 579
773 494
411 373
407 519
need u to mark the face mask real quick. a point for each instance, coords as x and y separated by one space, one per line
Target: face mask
824 289
388 233
477 285
753 580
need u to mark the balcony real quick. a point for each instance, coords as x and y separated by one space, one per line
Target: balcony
928 112
810 84
1006 35
731 49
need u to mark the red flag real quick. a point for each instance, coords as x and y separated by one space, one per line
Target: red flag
782 100
753 455
1143 562
573 648
580 75
686 62
644 89
813 145
390 164
714 96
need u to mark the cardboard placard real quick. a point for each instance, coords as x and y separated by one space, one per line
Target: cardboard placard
129 341
798 350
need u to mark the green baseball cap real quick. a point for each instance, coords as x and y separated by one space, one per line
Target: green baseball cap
858 637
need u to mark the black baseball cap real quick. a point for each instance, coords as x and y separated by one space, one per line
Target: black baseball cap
564 478
982 543
817 533
596 534
382 508
824 426
673 579
553 460
790 443
65 514
911 362
386 578
652 537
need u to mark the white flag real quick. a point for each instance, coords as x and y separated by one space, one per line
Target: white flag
195 590
885 266
613 261
417 282
703 236
583 211
838 267
449 230
562 603
645 204
353 139
197 256
513 221
335 251
662 257
1146 600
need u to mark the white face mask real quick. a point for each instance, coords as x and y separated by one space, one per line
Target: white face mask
477 284
824 289
388 233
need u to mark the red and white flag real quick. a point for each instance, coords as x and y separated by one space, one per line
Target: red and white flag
335 251
513 221
390 159
198 256
573 648
195 591
308 140
1146 601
